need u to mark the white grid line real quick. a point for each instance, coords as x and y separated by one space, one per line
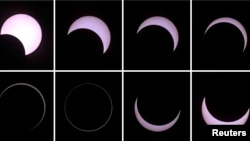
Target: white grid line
122 71
54 72
26 70
191 71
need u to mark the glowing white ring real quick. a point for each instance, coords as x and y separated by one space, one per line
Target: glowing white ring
91 130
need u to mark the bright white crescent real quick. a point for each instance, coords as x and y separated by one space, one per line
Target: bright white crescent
96 25
211 120
164 23
152 127
26 29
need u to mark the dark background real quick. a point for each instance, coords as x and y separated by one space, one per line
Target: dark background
82 49
160 97
227 98
111 82
11 52
44 131
152 48
222 46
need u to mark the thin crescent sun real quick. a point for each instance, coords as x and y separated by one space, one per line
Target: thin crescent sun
152 127
211 120
164 23
231 21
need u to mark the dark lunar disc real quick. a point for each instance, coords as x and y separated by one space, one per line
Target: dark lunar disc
84 47
12 53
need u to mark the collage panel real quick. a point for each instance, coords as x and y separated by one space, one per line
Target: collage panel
26 35
221 105
156 106
220 35
26 106
156 35
88 35
88 106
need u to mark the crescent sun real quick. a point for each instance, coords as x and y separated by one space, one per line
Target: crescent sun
96 25
40 94
152 127
211 120
26 29
164 23
231 21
